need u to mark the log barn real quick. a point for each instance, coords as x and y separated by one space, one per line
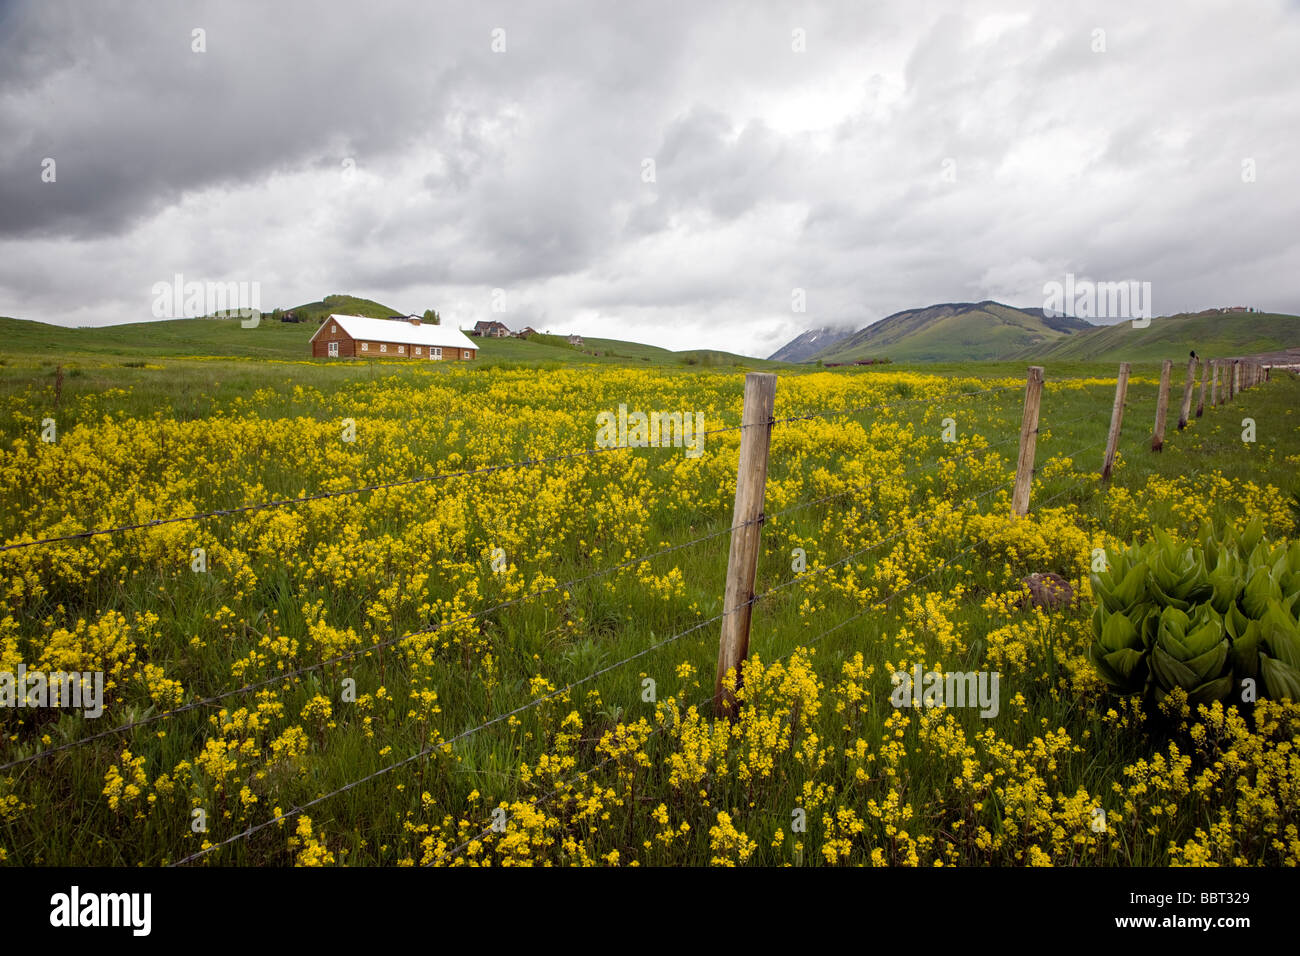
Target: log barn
357 336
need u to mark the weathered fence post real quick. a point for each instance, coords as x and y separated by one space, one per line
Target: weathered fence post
1116 420
1214 383
1234 381
1028 441
1186 410
747 524
1162 407
1200 402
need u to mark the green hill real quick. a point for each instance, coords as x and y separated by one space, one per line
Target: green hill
314 313
1213 335
952 332
227 338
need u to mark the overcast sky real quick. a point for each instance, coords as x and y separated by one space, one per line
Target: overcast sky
879 156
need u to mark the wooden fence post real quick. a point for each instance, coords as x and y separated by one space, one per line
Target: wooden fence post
1162 407
1214 383
1028 441
1234 382
1186 410
1116 420
747 524
1200 402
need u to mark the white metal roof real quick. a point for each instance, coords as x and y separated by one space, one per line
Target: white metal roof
400 331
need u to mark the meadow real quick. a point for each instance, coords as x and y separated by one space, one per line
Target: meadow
514 665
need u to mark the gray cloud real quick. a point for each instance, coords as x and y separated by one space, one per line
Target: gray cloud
393 154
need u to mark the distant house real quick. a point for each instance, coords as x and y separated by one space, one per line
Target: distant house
525 332
492 330
575 339
406 337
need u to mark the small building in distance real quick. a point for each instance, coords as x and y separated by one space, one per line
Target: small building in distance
493 330
525 332
575 339
356 336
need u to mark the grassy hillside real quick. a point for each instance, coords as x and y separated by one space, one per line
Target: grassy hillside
1174 336
951 332
313 312
227 338
169 337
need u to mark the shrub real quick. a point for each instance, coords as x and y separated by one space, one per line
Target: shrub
1204 616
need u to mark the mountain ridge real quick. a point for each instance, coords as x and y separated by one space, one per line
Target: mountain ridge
953 331
991 330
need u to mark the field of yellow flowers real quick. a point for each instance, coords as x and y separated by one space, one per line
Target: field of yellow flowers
476 669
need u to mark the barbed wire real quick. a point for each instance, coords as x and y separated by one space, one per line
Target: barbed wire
455 851
370 648
448 743
881 604
249 831
424 752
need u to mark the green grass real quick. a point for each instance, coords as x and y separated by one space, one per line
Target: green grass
70 823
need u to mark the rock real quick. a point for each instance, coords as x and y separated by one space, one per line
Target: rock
1049 591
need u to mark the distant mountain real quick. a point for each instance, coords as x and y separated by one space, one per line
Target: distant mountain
805 346
1212 334
954 332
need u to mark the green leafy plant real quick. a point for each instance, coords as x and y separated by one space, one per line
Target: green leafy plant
1204 616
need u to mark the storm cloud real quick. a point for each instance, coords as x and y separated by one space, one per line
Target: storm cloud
667 173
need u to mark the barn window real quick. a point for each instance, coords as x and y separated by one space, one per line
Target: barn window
417 351
466 354
334 350
435 352
383 348
365 346
334 330
401 350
